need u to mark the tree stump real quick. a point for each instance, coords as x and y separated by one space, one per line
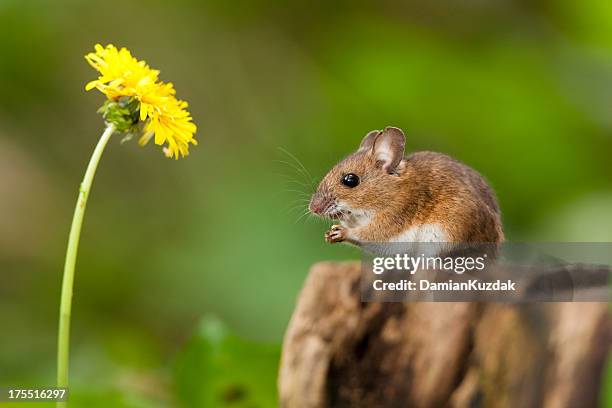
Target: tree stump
341 352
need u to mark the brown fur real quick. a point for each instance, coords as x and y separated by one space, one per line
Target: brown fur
424 188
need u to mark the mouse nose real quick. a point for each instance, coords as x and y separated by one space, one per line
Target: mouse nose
319 203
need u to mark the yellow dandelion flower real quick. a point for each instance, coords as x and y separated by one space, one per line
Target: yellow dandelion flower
173 126
121 73
136 99
124 79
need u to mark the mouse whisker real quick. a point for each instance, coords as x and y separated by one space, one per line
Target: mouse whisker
305 176
291 155
302 216
300 206
301 193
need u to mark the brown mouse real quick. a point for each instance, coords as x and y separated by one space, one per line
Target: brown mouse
379 195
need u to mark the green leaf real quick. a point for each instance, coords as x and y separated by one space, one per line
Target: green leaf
219 369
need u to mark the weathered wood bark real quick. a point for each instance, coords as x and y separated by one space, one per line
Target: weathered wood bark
341 352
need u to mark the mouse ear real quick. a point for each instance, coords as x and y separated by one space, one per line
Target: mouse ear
389 148
368 140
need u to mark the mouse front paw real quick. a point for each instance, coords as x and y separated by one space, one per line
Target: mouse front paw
337 233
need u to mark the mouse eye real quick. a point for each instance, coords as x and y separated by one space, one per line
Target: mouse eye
350 180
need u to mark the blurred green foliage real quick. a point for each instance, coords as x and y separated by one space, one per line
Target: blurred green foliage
218 369
521 91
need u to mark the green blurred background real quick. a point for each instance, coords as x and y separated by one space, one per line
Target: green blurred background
188 271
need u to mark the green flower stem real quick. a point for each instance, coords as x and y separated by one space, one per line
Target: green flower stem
63 337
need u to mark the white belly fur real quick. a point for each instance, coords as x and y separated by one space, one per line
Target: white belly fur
422 233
